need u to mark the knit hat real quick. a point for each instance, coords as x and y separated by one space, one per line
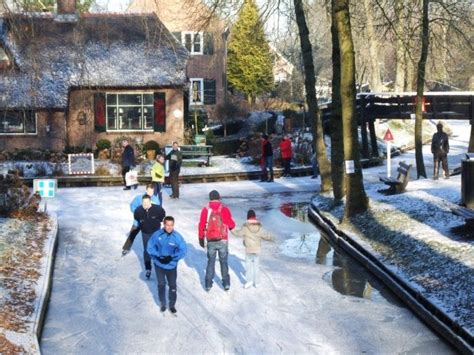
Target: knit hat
264 136
251 214
214 195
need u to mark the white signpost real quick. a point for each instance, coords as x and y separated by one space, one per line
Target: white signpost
388 137
46 189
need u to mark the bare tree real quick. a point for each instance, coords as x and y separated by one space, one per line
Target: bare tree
337 141
313 109
356 199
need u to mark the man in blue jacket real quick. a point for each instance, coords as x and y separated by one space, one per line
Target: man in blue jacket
166 247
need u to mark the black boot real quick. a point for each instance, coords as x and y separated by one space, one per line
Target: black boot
271 176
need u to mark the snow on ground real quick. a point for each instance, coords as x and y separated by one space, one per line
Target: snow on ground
418 236
101 302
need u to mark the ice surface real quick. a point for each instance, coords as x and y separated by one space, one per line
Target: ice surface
101 302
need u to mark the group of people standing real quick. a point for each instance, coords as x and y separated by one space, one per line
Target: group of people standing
164 246
266 161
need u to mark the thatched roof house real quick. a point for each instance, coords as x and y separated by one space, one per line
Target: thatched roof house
122 67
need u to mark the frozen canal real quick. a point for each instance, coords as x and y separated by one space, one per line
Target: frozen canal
310 300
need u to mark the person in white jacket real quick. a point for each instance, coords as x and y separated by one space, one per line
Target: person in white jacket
253 233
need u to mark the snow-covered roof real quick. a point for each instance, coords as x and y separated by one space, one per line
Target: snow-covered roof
99 50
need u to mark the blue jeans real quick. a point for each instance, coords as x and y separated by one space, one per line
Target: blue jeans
158 191
251 266
267 166
213 248
164 276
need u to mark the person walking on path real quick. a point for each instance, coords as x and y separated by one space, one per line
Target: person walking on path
137 202
167 247
175 157
286 153
440 150
267 159
158 176
149 219
128 162
253 233
214 224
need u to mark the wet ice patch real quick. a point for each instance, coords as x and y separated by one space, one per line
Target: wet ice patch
301 245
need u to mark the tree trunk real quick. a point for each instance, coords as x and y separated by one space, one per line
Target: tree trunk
400 50
356 200
337 143
375 80
420 83
313 109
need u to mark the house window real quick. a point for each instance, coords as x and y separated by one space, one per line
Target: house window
196 91
130 112
17 122
193 41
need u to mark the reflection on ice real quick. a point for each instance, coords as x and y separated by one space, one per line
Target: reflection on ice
348 277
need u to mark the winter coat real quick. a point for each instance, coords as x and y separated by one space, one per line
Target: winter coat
163 244
128 157
175 157
440 143
149 220
267 149
285 149
253 233
157 172
227 219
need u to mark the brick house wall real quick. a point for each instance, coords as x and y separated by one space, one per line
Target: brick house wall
83 132
181 16
50 134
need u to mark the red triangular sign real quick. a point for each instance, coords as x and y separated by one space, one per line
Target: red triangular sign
388 135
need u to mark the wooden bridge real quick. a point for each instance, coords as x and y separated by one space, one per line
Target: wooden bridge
451 105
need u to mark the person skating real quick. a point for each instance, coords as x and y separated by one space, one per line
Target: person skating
137 202
286 153
175 158
158 176
440 150
149 219
253 233
214 224
267 159
128 162
167 247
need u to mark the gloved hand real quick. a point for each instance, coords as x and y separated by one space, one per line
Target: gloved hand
165 259
201 242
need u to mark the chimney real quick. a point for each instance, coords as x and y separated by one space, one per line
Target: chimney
66 11
66 7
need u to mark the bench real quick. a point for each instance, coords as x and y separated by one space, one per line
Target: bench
197 151
466 213
399 184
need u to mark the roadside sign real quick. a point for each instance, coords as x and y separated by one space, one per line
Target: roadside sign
45 187
388 136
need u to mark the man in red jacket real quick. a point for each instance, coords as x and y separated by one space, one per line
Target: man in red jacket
285 151
214 225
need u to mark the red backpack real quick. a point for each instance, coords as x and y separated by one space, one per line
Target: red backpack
215 228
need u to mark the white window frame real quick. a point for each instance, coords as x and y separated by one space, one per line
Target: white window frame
117 106
191 102
24 133
201 41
